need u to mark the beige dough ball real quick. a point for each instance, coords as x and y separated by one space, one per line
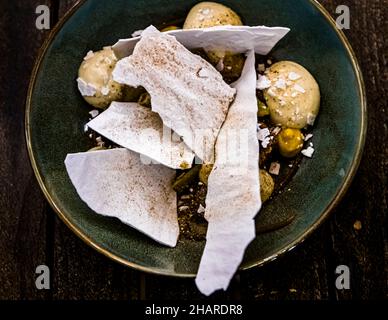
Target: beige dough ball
210 14
95 79
292 95
267 185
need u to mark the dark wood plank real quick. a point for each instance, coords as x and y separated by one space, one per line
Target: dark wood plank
365 250
167 288
310 270
65 5
23 236
78 271
302 274
30 233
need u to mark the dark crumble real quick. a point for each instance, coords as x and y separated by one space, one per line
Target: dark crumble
192 223
191 195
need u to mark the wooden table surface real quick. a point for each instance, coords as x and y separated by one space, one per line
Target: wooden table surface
31 234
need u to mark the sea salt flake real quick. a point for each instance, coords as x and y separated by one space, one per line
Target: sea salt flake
86 89
94 113
262 134
299 88
263 83
105 91
281 84
89 55
265 142
311 119
137 33
276 131
201 209
308 152
293 76
308 137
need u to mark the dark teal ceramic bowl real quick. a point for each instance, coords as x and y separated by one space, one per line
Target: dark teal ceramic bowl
56 114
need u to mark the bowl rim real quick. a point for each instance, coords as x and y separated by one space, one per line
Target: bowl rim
335 201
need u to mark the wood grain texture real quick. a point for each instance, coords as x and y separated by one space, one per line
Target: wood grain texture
23 209
31 234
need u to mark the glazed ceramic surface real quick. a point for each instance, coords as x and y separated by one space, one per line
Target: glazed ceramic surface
56 115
